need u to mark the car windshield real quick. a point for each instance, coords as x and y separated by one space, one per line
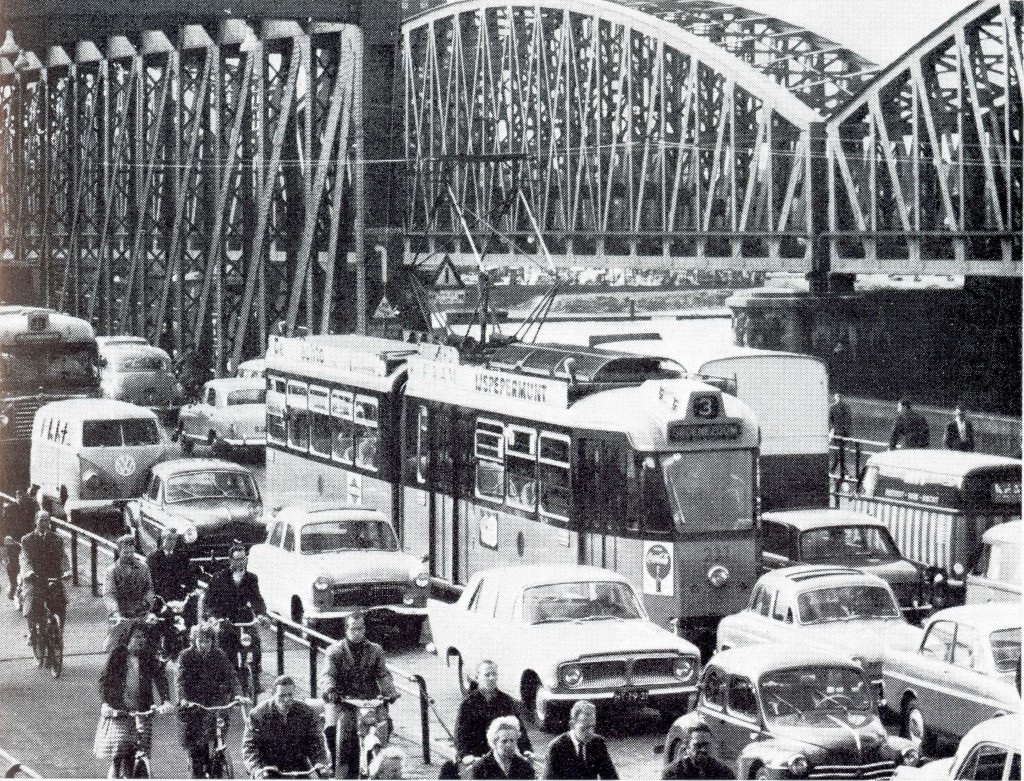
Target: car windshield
210 485
331 536
583 601
816 695
845 603
1006 649
247 396
862 544
117 433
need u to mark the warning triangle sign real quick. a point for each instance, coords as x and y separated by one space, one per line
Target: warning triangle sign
447 275
384 310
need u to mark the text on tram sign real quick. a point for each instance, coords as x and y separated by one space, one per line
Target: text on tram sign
688 432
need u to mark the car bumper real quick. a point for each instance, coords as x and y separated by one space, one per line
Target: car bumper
686 692
245 441
327 615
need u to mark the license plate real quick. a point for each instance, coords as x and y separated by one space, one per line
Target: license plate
630 697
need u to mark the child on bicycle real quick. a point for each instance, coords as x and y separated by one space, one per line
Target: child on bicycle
131 674
205 677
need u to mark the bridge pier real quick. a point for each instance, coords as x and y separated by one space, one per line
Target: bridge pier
937 346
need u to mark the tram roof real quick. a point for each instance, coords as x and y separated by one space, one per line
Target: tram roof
14 325
580 364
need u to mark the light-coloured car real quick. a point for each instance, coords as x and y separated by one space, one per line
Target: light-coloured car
255 368
779 711
323 561
836 609
990 750
132 370
561 634
963 672
231 413
211 503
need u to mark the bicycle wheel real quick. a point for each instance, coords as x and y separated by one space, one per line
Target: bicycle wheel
55 656
141 767
38 644
220 765
245 679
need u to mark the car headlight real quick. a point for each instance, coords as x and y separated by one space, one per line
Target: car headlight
939 578
958 569
911 757
684 668
718 575
422 578
321 583
5 420
798 765
859 660
187 531
571 675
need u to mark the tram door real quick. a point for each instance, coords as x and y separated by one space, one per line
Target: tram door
447 538
601 501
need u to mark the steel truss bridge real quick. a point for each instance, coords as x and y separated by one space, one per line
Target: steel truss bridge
198 180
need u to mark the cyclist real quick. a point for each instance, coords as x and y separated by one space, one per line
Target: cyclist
355 669
127 590
19 520
43 557
283 735
131 673
206 677
234 595
174 578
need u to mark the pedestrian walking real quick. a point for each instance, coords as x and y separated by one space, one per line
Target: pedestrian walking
910 428
959 432
840 424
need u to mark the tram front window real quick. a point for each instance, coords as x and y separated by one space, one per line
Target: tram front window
710 491
60 366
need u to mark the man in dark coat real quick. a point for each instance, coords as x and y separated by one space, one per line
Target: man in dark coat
959 432
910 429
283 733
127 590
697 761
355 669
205 676
503 760
580 752
480 708
840 424
234 595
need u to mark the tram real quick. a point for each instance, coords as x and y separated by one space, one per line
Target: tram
528 453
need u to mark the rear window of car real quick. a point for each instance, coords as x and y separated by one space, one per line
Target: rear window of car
144 363
1006 649
135 432
845 602
247 396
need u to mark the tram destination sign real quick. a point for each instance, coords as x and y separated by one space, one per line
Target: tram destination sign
699 432
442 379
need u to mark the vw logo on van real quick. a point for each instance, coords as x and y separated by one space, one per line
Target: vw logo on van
125 465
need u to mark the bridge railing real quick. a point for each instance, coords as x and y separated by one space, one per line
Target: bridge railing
848 459
15 769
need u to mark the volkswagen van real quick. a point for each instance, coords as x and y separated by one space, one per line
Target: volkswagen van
87 454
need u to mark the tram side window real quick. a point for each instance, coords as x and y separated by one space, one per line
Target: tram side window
521 467
367 432
489 449
275 419
319 422
298 417
342 429
555 481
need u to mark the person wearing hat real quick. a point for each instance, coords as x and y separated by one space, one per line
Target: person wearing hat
127 591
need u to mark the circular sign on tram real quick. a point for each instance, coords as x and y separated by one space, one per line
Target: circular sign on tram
658 569
125 465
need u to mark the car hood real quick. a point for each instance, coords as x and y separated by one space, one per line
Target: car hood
841 738
867 639
360 566
609 636
205 513
899 571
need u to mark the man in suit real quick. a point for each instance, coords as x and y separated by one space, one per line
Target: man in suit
910 429
580 752
504 759
355 669
959 432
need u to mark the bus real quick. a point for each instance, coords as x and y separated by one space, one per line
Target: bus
44 356
788 393
529 453
938 504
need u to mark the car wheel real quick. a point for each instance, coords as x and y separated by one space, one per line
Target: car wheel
762 772
914 728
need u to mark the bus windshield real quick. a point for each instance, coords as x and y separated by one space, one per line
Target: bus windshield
711 490
816 695
583 601
332 536
57 366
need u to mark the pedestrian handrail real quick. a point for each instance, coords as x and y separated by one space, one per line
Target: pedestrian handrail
848 458
317 644
14 768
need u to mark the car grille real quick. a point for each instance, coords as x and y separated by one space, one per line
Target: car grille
642 671
872 770
368 594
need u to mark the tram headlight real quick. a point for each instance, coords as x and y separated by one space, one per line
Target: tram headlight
684 668
571 675
910 757
718 575
321 583
798 765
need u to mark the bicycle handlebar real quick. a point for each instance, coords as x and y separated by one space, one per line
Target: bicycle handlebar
355 702
313 772
216 708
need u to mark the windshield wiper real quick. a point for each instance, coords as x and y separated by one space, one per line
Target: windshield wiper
788 704
553 620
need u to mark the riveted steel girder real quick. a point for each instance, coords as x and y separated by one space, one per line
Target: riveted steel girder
925 167
638 139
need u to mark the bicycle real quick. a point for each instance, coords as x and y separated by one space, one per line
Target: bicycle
139 764
220 765
47 634
364 726
247 675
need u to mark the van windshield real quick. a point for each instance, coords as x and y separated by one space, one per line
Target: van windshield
135 432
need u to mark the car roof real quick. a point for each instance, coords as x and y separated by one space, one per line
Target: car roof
254 363
802 520
1003 730
132 348
938 462
302 512
107 341
819 575
105 409
182 465
986 617
1003 533
537 574
756 660
236 383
